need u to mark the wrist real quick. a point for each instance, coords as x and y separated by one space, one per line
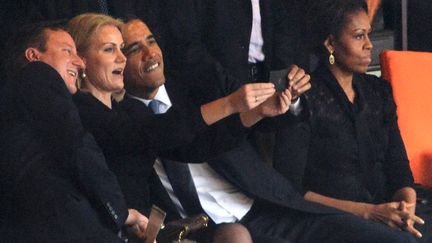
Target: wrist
363 210
249 118
407 194
130 217
230 107
259 112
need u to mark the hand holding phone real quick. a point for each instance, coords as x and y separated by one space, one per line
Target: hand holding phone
280 79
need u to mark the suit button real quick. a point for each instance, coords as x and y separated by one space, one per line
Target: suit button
108 205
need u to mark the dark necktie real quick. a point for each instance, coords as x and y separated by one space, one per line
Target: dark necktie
180 178
103 6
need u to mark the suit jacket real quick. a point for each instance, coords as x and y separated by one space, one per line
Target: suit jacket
55 184
213 37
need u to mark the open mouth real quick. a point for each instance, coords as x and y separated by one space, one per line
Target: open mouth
118 71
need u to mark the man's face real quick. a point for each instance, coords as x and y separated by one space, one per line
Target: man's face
62 56
144 72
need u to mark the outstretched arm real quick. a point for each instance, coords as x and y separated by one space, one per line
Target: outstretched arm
273 106
243 99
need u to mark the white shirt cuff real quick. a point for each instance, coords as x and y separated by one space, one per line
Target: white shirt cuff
296 107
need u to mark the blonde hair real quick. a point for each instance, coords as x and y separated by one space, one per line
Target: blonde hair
83 26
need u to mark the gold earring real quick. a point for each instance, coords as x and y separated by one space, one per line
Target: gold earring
331 58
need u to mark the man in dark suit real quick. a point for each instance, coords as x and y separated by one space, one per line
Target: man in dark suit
229 43
235 186
55 184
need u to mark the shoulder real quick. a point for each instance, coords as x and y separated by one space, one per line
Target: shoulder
134 108
38 76
377 85
91 110
319 85
129 103
85 101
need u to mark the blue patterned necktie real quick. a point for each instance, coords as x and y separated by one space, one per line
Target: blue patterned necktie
154 106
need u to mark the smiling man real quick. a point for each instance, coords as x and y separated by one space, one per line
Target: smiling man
144 74
55 184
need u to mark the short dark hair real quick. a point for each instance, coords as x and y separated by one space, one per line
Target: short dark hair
28 35
329 17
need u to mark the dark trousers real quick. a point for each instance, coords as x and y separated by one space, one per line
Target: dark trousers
285 225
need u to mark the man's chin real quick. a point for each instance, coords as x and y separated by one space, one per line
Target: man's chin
72 90
71 86
154 82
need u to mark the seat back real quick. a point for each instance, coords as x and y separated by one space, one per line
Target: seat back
410 74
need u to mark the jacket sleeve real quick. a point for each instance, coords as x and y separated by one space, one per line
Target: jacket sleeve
131 128
218 138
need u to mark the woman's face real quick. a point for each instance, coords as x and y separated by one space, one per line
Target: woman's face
104 59
352 50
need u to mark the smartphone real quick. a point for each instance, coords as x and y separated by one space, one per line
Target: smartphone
279 79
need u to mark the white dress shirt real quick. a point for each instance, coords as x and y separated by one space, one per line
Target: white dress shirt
256 43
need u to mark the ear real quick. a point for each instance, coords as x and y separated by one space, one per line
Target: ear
32 54
329 43
84 60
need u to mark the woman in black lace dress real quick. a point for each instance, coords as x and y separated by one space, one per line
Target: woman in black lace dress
348 152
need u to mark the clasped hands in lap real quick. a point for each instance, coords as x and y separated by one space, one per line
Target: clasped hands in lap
398 215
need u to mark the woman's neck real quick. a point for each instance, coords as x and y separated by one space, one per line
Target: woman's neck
344 79
102 96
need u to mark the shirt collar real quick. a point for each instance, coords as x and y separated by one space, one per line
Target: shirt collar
161 95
